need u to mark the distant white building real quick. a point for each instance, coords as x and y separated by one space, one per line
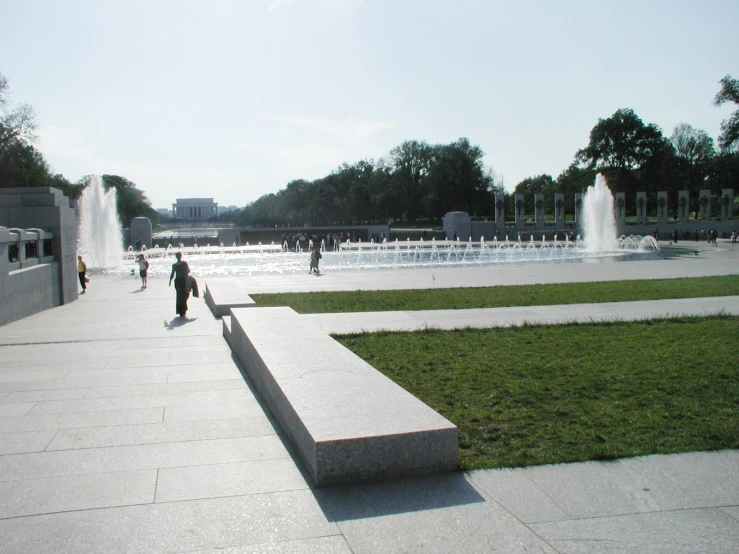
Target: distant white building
195 209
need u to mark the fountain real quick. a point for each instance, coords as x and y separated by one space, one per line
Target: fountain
99 233
598 244
598 220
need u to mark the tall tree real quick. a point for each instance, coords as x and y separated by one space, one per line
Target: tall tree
458 180
17 125
131 202
694 154
411 162
729 139
632 155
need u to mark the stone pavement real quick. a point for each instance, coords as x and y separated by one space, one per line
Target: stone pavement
125 429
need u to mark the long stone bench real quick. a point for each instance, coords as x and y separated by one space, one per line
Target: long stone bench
347 421
223 294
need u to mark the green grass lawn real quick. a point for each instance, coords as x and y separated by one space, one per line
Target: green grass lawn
503 296
550 394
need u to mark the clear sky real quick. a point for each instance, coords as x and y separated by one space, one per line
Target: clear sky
232 99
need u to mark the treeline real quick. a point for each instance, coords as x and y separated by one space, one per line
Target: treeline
22 165
421 181
416 180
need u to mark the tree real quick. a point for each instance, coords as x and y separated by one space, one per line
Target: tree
130 201
729 139
633 156
457 180
574 180
694 153
17 125
541 184
411 162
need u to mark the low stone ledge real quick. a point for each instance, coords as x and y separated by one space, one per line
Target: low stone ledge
347 421
223 294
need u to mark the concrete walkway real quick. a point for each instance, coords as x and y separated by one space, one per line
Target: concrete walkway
125 429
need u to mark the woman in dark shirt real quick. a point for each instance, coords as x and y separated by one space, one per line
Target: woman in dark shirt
180 271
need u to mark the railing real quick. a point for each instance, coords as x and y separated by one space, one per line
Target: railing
23 248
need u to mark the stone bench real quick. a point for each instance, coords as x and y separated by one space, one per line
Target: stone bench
223 294
347 421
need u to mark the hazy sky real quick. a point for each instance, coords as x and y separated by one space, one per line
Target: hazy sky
232 99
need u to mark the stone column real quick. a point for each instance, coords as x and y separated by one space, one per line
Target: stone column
683 206
619 207
661 207
641 208
559 211
519 211
539 216
704 201
727 204
500 215
578 207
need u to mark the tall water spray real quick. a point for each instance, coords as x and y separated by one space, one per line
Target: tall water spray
598 219
99 240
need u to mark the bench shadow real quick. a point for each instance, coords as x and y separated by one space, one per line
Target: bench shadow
396 497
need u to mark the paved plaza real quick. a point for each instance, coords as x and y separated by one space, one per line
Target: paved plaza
126 429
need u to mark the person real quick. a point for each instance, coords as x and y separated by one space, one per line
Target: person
138 244
143 269
180 272
312 259
318 261
81 271
734 237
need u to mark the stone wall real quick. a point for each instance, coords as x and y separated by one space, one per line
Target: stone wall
29 275
42 215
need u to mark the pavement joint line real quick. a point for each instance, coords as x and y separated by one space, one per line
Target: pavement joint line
95 340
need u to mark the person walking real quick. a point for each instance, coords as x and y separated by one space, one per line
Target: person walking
180 272
318 261
81 272
143 269
312 259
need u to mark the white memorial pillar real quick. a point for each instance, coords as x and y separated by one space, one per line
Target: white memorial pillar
704 201
519 212
559 210
620 210
540 218
641 208
661 207
683 206
727 204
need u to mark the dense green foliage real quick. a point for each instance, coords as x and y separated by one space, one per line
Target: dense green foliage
729 92
551 394
416 181
131 201
500 297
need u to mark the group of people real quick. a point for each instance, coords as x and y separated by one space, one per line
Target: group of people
183 283
303 240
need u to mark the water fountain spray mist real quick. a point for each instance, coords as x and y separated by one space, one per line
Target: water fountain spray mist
99 239
598 219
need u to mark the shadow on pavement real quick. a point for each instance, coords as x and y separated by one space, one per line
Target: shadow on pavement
396 497
178 322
